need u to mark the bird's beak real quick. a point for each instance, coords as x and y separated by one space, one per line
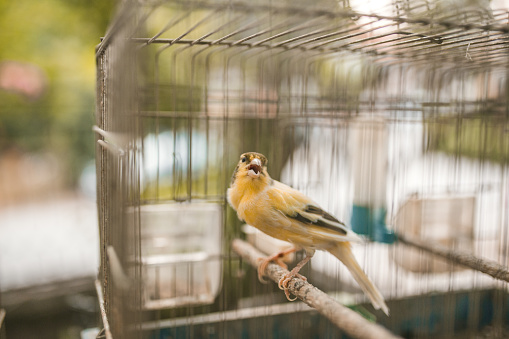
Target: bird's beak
254 168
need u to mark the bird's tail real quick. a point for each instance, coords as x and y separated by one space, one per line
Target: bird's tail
344 253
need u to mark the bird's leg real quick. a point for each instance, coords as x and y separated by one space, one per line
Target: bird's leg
285 279
277 257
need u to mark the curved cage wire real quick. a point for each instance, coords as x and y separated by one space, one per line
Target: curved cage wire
391 115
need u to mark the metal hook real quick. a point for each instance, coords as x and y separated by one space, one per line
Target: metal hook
467 55
111 142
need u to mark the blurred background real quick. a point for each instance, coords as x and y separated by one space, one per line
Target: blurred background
48 218
393 115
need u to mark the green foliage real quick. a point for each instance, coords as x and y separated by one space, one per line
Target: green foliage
59 38
481 137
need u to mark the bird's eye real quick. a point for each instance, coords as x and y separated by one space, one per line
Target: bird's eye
244 159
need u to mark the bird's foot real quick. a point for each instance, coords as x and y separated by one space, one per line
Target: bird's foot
262 265
285 279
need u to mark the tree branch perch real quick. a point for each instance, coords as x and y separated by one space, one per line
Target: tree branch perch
345 319
2 317
489 267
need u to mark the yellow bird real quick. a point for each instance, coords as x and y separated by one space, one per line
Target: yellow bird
287 214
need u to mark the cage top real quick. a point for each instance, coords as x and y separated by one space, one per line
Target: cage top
470 34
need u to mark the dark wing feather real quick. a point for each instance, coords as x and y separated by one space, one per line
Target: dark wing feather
323 219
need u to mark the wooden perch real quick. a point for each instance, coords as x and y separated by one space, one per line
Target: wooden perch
344 318
2 317
489 267
106 325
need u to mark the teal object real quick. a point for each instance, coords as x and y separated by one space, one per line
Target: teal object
370 221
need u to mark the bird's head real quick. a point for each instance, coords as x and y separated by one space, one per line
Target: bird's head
252 166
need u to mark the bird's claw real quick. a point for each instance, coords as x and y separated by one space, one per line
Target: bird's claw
260 277
262 266
285 279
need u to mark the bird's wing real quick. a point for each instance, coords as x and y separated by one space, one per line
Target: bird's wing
317 222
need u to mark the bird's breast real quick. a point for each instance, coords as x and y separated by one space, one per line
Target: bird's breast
260 213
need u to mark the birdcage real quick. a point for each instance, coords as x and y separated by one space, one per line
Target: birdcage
391 115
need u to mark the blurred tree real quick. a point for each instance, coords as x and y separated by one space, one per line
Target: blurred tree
54 40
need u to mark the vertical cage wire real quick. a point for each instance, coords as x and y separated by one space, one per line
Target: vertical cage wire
387 118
